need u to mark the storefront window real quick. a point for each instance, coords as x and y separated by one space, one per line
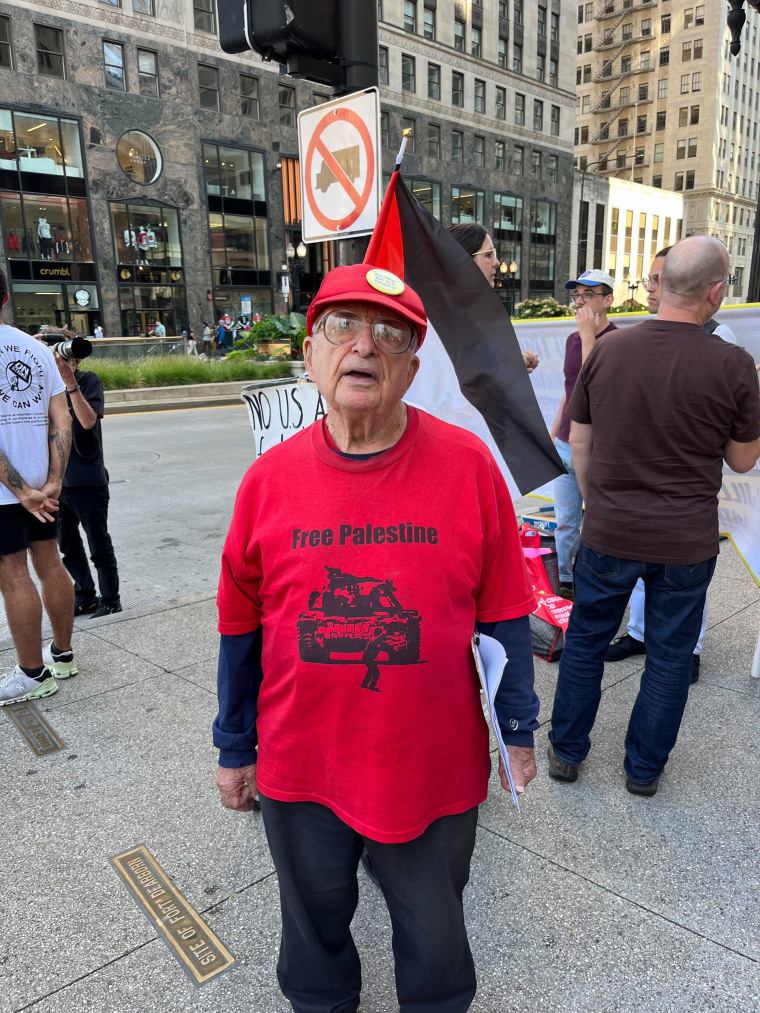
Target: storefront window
139 157
47 146
466 205
234 173
543 238
7 141
149 271
38 305
428 194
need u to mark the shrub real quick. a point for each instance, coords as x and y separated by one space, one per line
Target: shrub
171 371
537 308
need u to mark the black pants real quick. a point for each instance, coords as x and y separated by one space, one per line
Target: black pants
316 856
88 505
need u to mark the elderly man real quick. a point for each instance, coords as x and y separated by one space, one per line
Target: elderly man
377 537
654 442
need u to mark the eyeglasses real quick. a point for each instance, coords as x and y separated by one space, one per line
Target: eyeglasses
393 336
651 282
586 296
486 253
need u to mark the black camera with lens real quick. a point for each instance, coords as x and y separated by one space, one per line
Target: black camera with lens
73 348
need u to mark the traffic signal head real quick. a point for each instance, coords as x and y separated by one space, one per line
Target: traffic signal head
279 29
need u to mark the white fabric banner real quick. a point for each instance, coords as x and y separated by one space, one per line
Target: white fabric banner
739 505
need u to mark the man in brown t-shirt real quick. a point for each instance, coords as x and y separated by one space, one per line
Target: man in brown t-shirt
654 415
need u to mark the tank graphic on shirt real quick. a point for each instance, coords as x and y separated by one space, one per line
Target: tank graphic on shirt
358 616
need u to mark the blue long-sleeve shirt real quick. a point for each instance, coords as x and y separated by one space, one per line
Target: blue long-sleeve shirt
240 674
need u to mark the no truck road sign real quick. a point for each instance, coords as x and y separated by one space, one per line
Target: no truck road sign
338 146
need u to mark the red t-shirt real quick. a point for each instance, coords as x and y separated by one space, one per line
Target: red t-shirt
373 572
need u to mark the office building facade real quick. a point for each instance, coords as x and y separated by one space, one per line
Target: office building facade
146 176
661 102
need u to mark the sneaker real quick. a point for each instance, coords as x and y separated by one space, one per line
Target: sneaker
106 610
16 686
694 668
566 591
625 647
62 664
558 770
86 608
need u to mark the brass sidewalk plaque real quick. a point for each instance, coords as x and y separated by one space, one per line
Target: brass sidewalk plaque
34 728
200 952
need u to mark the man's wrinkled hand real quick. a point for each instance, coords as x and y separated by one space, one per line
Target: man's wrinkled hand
66 370
237 788
39 504
522 763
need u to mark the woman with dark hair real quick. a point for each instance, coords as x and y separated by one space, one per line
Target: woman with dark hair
476 241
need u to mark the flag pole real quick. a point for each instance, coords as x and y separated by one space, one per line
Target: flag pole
406 133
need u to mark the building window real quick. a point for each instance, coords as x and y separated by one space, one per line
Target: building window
696 81
203 16
699 16
517 58
698 44
501 57
467 205
6 49
657 181
480 96
664 56
113 62
457 146
517 11
519 109
498 156
459 36
476 42
692 148
555 121
662 88
678 182
680 149
428 23
694 117
410 16
385 130
518 158
685 81
286 101
543 238
428 194
554 27
540 67
434 140
49 43
689 183
553 73
147 72
686 52
538 114
382 64
500 109
143 7
408 73
535 165
249 96
553 170
434 81
641 124
457 88
208 86
479 152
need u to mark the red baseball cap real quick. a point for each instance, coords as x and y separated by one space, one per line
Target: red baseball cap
367 284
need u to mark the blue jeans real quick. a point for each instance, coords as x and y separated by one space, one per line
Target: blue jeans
636 619
568 509
675 600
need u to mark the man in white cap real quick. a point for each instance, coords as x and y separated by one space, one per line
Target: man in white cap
378 536
592 294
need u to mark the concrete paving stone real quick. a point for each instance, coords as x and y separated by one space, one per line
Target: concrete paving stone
728 651
172 638
138 768
201 674
543 939
690 853
728 595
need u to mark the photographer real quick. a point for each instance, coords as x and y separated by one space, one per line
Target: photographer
84 497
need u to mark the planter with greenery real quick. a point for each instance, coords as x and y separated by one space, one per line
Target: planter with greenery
276 336
174 370
538 309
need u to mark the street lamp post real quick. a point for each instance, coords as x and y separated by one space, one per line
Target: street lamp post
632 286
295 255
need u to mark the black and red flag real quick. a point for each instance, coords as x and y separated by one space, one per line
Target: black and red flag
472 371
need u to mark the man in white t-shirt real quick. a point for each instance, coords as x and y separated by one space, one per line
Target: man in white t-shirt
35 439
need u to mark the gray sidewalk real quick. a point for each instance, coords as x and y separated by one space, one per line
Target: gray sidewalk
591 900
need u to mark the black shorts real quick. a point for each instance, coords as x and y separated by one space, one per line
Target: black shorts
18 529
